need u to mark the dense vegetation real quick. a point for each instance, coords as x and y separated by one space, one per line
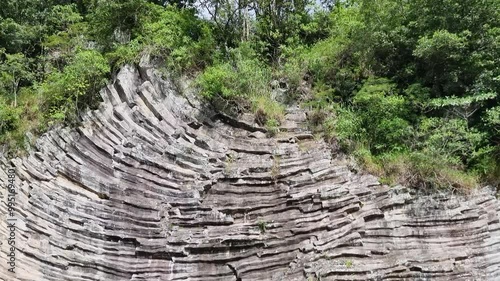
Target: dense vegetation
410 88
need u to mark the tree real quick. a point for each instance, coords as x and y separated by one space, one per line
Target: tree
76 87
177 34
464 107
14 70
383 113
231 20
277 22
115 21
18 38
67 34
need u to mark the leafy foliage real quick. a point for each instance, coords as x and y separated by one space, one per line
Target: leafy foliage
14 72
432 116
409 87
241 82
9 117
179 35
76 86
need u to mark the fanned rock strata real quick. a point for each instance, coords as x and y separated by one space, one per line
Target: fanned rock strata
153 186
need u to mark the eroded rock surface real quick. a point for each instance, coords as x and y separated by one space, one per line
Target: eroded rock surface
153 186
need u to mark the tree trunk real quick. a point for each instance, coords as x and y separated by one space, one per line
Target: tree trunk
16 85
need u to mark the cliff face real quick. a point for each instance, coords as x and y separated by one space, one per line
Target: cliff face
153 186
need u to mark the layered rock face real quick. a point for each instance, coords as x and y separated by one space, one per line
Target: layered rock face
154 186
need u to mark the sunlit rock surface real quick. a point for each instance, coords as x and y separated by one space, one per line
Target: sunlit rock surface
154 186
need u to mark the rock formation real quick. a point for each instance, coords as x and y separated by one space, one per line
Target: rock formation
154 186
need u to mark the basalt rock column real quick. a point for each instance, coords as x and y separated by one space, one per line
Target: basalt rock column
155 186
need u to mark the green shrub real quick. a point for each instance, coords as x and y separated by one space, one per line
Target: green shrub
339 60
485 163
377 102
450 137
316 118
272 126
492 118
266 109
9 117
262 226
376 118
179 36
423 170
219 80
294 69
15 122
348 128
124 54
77 86
243 75
367 160
253 75
241 83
